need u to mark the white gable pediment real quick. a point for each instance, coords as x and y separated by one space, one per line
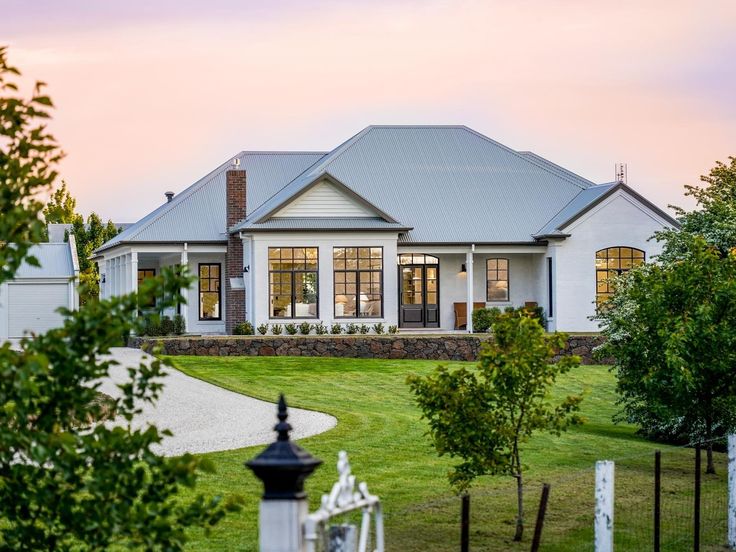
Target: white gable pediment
325 199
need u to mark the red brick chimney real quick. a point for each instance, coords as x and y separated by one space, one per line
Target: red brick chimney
235 202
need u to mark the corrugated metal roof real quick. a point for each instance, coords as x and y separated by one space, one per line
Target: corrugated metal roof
319 223
55 259
450 183
576 205
584 182
198 213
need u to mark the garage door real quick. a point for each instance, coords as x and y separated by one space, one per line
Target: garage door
31 307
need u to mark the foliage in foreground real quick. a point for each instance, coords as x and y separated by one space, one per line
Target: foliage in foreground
484 416
65 482
672 331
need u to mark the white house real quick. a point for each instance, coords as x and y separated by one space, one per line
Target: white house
29 302
405 225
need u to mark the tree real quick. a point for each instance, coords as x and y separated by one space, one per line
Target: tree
484 416
61 207
671 329
68 482
714 219
89 237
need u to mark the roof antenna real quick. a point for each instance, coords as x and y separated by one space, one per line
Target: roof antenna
621 173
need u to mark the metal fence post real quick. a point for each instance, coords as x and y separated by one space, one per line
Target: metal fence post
604 495
283 467
732 491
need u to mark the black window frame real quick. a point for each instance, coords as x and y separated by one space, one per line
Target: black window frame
602 297
357 272
293 271
508 279
219 291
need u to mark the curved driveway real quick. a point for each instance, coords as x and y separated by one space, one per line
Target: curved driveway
207 418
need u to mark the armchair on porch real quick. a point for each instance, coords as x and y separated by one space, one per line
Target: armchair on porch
461 314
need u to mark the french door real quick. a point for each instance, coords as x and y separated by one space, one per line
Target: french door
419 282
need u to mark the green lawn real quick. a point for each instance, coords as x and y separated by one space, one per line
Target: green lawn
380 428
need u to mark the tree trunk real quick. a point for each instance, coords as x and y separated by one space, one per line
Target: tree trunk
520 513
711 466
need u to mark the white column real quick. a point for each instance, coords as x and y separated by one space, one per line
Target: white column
248 279
184 261
469 284
732 491
134 271
105 287
115 280
604 484
280 525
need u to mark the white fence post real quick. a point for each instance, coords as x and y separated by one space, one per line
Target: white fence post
604 484
732 491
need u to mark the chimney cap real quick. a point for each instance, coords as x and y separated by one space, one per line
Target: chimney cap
236 162
169 196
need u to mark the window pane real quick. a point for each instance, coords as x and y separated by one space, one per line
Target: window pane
492 264
376 252
204 271
364 253
339 277
370 305
274 252
209 305
351 263
281 306
503 264
404 259
364 264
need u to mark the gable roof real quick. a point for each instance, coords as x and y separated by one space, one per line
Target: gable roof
198 213
450 183
56 260
589 198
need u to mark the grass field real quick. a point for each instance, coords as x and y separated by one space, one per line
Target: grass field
381 429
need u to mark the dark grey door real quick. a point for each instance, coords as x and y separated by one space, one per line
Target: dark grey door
419 306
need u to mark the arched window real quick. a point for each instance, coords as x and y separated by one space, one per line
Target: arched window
610 263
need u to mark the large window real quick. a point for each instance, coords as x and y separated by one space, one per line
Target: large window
610 263
209 291
143 274
292 276
358 282
497 280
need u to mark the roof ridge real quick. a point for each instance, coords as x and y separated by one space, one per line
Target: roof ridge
517 154
556 166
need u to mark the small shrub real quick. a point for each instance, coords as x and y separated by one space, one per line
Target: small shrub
244 328
538 313
320 329
151 326
305 328
352 329
336 329
364 329
378 328
276 329
291 328
167 326
483 319
179 325
393 330
263 329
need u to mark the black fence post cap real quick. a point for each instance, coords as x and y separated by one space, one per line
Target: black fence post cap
283 466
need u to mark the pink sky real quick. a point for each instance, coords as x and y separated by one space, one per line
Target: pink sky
151 96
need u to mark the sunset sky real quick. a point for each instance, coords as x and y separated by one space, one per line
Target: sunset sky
152 95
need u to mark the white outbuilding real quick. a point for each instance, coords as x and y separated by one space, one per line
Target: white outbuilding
29 302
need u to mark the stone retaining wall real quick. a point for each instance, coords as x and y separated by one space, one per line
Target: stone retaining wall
434 347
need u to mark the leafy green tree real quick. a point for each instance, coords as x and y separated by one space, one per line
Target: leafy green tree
28 153
61 207
714 219
484 416
68 482
89 237
671 329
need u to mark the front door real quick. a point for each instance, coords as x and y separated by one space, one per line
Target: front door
419 281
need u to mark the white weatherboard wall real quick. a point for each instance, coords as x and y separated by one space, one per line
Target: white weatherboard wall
324 241
619 220
325 200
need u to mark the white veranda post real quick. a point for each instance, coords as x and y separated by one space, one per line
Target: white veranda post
184 262
469 288
732 491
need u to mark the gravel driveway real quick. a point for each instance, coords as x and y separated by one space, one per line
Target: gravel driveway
206 418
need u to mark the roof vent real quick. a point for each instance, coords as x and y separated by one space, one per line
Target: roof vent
169 196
